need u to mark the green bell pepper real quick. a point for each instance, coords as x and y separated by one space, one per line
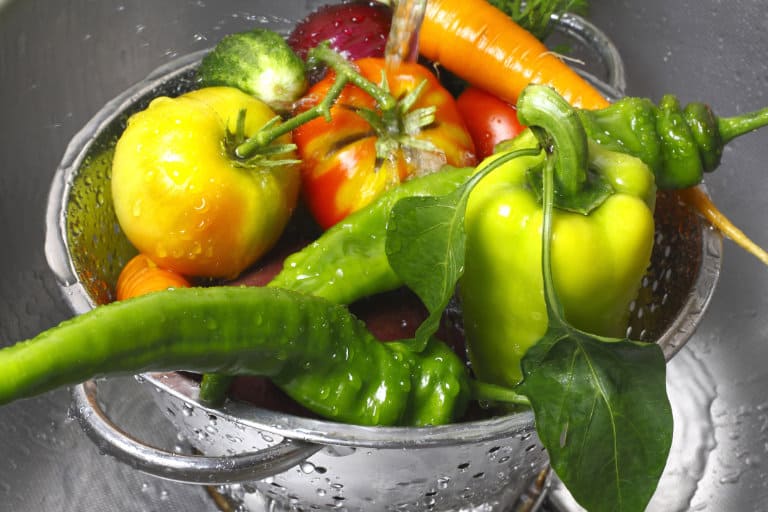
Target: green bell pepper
599 253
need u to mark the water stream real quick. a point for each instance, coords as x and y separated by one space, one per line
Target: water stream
403 40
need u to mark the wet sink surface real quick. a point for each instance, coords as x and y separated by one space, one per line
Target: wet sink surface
61 60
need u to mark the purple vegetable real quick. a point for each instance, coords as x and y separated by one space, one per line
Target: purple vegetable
356 29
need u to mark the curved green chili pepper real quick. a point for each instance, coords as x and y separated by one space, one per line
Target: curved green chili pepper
348 261
317 352
679 144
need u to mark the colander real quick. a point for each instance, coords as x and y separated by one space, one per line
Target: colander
267 460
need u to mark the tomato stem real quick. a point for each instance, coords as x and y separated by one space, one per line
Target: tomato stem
342 66
272 131
345 73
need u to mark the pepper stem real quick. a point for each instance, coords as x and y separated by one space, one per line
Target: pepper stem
732 127
490 393
555 312
539 105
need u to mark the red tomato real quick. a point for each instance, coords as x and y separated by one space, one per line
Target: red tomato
341 171
489 119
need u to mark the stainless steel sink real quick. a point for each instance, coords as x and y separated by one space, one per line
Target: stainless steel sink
60 61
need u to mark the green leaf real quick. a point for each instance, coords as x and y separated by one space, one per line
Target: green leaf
602 412
425 247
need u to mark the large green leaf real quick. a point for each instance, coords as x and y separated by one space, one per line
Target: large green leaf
602 412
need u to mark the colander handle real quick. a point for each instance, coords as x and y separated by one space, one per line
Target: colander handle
193 469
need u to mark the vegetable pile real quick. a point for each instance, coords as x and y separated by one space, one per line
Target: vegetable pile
529 194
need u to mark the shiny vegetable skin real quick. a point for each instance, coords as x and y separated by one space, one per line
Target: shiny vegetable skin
351 159
355 29
598 259
489 119
183 197
679 143
348 261
482 45
317 352
141 275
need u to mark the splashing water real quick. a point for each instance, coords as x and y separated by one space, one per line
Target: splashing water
403 40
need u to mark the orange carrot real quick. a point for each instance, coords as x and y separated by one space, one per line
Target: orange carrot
478 42
141 276
698 199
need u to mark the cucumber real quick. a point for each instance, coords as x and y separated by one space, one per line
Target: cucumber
260 63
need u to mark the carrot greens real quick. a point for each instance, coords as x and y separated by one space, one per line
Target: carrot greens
536 15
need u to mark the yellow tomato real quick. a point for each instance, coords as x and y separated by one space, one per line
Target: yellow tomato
183 198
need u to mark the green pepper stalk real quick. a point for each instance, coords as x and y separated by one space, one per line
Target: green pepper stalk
602 245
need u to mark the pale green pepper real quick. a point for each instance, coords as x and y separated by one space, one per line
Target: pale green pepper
599 254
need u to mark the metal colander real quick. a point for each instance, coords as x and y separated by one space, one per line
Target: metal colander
267 460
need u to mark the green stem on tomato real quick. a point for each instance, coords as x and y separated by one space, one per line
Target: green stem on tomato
342 66
345 73
266 135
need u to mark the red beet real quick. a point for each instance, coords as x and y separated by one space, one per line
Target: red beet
356 29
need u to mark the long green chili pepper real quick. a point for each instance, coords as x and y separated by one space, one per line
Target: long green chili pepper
317 352
348 261
679 144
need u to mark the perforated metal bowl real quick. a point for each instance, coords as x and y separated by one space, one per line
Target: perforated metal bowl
275 461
